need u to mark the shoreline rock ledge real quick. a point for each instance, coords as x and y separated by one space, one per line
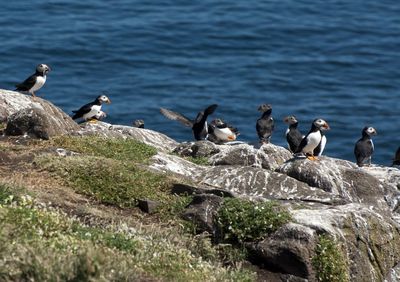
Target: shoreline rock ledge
358 207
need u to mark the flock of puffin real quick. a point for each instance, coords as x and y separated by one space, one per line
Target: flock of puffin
311 145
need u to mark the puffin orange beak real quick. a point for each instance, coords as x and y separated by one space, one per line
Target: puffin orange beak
326 126
108 101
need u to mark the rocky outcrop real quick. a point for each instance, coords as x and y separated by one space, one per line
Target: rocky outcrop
268 156
33 116
338 177
158 140
359 207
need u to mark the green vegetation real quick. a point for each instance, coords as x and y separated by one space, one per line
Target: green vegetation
39 243
243 220
198 160
107 180
329 261
117 149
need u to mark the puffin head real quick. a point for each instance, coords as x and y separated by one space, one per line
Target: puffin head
321 124
264 108
368 130
290 120
217 122
103 99
43 69
138 123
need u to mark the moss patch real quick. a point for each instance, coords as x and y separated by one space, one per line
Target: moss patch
243 220
107 180
329 262
117 149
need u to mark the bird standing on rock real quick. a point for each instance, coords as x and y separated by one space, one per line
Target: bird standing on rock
364 147
265 124
293 135
312 139
139 123
199 125
35 81
92 111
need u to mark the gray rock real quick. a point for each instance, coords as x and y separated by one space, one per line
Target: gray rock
268 156
370 240
148 206
39 123
338 177
259 183
202 211
175 165
197 149
158 140
182 189
289 250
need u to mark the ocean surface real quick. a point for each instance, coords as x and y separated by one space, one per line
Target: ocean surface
338 60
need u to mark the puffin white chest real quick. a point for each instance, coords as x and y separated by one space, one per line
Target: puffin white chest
313 139
93 112
224 134
40 81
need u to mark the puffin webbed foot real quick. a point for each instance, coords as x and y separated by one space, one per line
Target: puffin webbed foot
312 158
92 120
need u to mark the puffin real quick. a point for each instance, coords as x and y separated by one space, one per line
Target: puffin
35 81
221 132
199 124
396 160
92 111
139 123
265 124
364 147
293 135
313 138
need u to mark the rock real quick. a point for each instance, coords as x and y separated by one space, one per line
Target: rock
158 140
269 156
172 164
148 206
289 250
202 211
39 123
338 177
260 183
197 149
182 189
371 240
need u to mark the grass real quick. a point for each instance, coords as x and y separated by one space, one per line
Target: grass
329 261
39 243
117 149
242 220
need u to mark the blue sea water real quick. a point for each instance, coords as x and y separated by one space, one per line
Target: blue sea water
339 60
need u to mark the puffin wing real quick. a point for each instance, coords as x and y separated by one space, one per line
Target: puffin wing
303 143
265 128
27 84
83 110
210 109
202 116
176 116
362 150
